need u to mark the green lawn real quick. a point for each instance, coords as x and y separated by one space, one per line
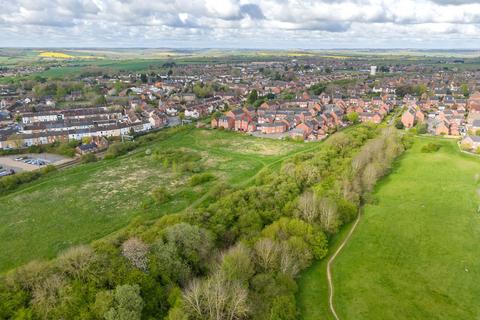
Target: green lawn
414 254
93 200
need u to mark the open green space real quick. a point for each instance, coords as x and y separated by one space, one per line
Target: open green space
414 254
90 201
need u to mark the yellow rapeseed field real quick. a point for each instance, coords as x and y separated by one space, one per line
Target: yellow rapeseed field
58 55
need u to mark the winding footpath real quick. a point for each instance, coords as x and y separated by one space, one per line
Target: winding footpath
329 267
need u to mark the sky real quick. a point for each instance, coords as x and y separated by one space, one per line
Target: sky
267 24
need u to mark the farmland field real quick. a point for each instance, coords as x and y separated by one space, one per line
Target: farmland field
90 201
414 254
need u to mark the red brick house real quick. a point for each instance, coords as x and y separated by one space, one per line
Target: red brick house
223 122
277 127
442 128
370 117
408 118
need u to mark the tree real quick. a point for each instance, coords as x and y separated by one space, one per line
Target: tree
143 78
217 115
202 90
283 308
118 86
127 304
76 262
181 116
465 90
308 206
286 228
86 140
193 243
329 219
399 124
421 89
135 250
46 294
318 88
103 303
352 117
166 263
60 93
216 298
16 139
100 100
252 97
237 264
266 253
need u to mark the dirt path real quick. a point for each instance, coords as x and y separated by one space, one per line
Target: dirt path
329 267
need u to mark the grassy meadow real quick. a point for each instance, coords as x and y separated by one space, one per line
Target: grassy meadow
414 254
90 201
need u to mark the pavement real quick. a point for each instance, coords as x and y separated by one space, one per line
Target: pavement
9 162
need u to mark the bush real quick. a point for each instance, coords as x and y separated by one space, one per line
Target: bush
10 183
197 179
422 128
118 148
89 157
399 124
160 195
430 147
66 149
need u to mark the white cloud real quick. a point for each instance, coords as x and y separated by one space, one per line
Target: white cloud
240 23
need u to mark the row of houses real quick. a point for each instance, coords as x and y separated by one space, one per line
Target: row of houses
16 139
311 120
445 119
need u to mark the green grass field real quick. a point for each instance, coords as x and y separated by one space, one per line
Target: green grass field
90 201
414 254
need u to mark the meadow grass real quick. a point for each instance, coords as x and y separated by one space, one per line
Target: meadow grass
414 254
90 201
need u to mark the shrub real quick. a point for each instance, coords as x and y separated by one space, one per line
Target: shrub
89 157
66 149
160 195
12 182
197 179
421 128
430 147
118 148
466 146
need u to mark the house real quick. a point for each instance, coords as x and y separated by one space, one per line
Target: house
86 148
408 118
192 113
370 117
305 128
276 127
471 142
157 119
245 123
441 127
223 122
475 126
411 117
474 103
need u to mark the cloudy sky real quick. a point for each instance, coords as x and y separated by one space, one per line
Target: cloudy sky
314 24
